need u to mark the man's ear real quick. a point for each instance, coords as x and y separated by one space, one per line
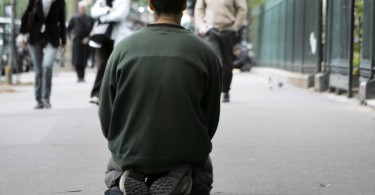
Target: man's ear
150 5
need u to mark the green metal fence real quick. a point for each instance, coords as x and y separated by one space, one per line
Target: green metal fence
290 35
367 67
339 44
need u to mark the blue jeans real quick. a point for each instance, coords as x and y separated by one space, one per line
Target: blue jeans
113 191
43 58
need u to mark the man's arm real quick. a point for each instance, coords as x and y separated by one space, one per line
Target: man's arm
69 29
62 24
241 7
118 13
211 102
107 95
100 8
200 12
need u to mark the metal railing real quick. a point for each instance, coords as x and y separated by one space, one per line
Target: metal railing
290 35
339 45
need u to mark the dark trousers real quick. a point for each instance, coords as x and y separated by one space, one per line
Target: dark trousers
202 180
80 72
222 42
92 56
101 56
80 54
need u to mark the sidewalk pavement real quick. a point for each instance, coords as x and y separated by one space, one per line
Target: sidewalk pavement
284 141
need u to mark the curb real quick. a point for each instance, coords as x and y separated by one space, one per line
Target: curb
304 81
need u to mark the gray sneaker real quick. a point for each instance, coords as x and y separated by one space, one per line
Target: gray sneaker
47 104
39 105
177 181
133 182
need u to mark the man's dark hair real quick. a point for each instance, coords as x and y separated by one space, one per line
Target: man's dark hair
168 6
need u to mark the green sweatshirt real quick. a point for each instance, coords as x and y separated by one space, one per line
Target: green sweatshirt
160 99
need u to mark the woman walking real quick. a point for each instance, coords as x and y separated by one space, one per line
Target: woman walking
43 29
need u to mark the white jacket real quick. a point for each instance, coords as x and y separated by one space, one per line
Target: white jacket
118 13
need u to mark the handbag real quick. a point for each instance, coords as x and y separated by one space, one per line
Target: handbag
31 16
99 33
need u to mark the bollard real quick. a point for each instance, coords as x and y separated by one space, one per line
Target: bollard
8 74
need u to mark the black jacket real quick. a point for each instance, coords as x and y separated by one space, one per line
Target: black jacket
55 28
80 27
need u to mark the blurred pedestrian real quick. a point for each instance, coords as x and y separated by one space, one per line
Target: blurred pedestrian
43 28
159 108
115 12
218 22
242 59
79 29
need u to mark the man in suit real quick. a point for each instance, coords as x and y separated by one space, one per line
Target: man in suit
79 29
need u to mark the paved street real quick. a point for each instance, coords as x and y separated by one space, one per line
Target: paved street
286 141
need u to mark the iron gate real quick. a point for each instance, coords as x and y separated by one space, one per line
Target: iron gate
290 35
339 44
367 67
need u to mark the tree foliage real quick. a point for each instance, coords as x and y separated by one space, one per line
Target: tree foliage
20 7
254 3
22 4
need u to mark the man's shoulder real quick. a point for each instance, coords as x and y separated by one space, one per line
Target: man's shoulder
193 39
131 39
187 39
201 46
129 43
76 16
143 34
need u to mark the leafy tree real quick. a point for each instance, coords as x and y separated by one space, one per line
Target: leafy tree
358 20
20 8
254 3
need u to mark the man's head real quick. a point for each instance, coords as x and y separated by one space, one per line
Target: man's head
237 49
167 7
82 5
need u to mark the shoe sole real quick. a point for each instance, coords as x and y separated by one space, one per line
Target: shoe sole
168 185
131 186
47 106
94 102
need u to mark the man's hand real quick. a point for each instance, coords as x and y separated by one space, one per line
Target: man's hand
62 48
21 40
85 40
203 31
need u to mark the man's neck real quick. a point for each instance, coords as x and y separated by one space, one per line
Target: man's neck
167 19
